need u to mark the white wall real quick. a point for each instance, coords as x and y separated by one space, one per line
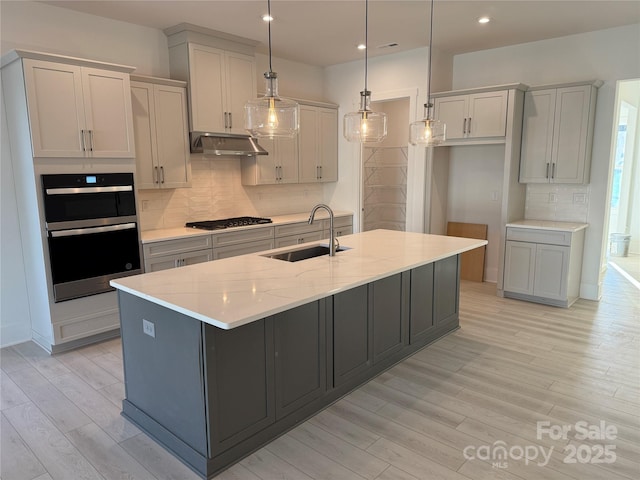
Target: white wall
391 76
607 55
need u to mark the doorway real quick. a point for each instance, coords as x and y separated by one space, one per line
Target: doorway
385 168
623 253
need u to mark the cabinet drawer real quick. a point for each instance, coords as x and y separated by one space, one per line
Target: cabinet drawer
298 228
551 237
183 259
241 236
297 239
172 247
338 222
242 248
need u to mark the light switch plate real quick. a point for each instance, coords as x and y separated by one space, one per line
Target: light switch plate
148 328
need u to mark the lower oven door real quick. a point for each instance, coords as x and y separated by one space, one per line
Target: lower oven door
84 260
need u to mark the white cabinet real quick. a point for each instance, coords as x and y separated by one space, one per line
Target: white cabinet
77 111
318 144
543 266
161 133
557 134
220 83
177 253
242 241
280 166
472 116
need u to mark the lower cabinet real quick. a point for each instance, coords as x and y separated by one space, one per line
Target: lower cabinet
177 253
543 266
387 312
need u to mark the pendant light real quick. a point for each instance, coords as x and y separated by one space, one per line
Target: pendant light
364 125
428 132
272 116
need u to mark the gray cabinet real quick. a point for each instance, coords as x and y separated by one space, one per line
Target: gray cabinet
239 372
421 307
300 357
446 290
387 312
177 253
351 333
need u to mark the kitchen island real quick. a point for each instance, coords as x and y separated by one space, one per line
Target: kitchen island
222 357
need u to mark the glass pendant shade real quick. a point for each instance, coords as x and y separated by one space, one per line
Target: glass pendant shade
272 116
364 125
427 132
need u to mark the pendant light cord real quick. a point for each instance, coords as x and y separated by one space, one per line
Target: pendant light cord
430 49
269 26
366 42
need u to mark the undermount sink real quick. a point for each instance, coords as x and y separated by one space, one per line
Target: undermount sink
304 253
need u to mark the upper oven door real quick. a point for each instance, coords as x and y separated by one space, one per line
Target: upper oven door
74 197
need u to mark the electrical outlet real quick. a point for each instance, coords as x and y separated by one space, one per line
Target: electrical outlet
145 205
494 196
580 198
553 198
148 328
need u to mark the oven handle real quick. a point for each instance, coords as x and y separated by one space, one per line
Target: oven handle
66 191
86 231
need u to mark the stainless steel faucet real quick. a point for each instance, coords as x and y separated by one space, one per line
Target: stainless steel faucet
332 232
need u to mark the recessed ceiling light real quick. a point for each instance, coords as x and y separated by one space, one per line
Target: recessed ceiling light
267 18
362 46
484 20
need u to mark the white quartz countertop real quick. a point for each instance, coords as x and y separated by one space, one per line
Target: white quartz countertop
549 225
234 291
159 235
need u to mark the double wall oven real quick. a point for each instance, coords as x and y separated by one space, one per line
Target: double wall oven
92 231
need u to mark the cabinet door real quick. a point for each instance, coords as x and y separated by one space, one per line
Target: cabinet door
56 112
308 145
487 114
298 239
551 271
537 136
172 136
207 81
300 356
387 316
452 111
265 165
239 373
352 339
144 128
421 306
242 249
328 144
287 160
241 86
107 107
519 267
570 134
446 289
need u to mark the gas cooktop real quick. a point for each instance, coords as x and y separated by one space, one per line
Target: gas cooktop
227 223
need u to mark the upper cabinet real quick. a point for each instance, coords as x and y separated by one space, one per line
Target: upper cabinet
318 142
473 116
161 132
78 111
280 166
557 133
221 72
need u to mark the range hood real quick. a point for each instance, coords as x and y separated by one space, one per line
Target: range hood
225 144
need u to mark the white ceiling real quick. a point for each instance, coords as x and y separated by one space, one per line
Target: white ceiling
326 32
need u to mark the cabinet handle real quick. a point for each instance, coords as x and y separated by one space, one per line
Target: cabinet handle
553 171
469 126
90 140
176 262
230 120
161 174
84 148
155 175
320 172
317 172
546 175
226 121
464 126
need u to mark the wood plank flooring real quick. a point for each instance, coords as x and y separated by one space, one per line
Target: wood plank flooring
445 413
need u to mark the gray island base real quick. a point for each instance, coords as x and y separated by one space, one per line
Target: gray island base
212 396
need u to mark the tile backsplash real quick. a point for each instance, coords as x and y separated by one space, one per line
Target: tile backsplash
562 203
217 192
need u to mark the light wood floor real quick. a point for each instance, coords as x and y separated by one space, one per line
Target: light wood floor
511 365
